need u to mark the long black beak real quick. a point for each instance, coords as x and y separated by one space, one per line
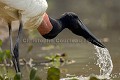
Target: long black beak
71 21
88 35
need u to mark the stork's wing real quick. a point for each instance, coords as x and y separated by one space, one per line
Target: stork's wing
8 13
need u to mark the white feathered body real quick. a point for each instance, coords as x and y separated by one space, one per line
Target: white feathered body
29 11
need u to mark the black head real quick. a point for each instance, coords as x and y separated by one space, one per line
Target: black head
71 21
68 19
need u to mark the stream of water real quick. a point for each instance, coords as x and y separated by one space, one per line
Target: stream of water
104 62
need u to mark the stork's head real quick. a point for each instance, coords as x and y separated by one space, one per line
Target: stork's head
71 21
50 27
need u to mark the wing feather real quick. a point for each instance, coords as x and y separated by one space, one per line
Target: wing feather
8 13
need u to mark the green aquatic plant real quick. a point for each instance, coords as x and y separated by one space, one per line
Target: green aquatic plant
33 74
18 76
4 75
94 78
53 74
4 54
0 43
56 60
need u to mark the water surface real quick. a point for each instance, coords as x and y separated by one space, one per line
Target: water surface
82 52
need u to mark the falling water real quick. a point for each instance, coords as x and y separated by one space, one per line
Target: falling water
104 62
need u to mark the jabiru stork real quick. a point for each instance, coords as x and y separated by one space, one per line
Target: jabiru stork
32 15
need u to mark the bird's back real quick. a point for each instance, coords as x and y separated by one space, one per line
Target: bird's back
8 13
30 12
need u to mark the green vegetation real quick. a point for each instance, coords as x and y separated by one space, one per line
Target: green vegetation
53 72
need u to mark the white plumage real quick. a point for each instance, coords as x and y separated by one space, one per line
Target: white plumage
29 11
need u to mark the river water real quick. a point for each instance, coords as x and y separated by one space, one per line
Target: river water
81 52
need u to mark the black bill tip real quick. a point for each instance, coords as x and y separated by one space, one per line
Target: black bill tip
89 36
96 42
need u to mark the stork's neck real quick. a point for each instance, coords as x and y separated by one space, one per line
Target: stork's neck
45 26
50 27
